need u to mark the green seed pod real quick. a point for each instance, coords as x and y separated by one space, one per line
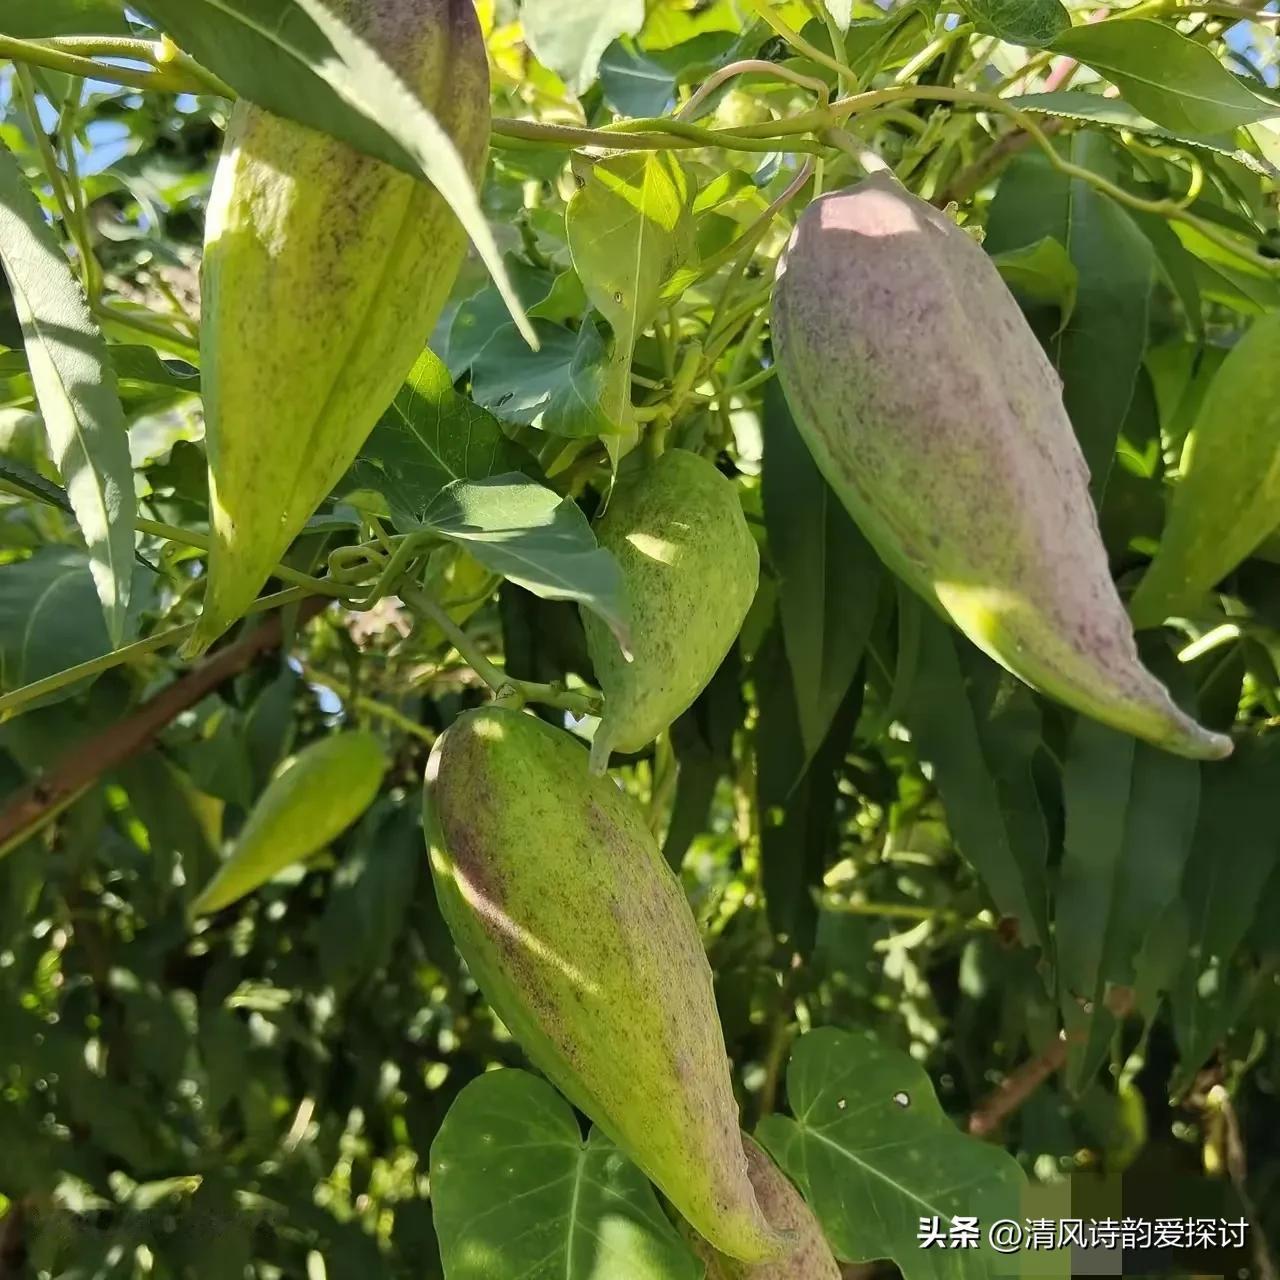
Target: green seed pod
324 273
935 415
312 800
811 1257
1228 496
582 941
691 568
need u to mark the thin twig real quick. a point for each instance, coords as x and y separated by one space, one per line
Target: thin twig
42 800
1015 1089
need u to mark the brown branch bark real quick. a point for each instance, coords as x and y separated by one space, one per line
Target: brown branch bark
13 1241
967 181
1015 1089
85 764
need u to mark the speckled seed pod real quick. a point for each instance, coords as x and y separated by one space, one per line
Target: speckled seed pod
691 568
582 941
933 412
324 273
312 800
809 1259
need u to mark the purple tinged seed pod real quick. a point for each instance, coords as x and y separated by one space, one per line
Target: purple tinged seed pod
581 939
809 1259
935 415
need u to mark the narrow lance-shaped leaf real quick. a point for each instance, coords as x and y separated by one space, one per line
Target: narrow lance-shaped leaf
75 386
629 228
1235 851
299 59
829 575
980 731
1228 496
1176 81
1100 348
1130 815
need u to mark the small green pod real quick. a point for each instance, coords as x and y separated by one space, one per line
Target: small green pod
582 940
691 568
312 800
936 417
811 1257
1227 499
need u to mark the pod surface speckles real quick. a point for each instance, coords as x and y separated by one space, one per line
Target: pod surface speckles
691 568
583 942
935 415
324 272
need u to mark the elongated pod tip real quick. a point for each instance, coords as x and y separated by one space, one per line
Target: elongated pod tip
1197 743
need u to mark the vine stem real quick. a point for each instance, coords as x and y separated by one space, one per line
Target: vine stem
45 53
796 40
747 65
144 322
1156 8
371 706
643 135
1169 209
303 581
578 702
19 698
38 803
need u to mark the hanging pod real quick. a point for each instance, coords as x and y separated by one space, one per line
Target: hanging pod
313 798
934 414
810 1258
324 273
581 939
691 567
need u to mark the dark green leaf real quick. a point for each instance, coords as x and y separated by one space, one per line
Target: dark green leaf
1030 22
516 383
534 538
643 82
18 476
146 366
702 740
797 797
980 729
569 36
1130 812
582 407
50 618
44 18
1115 113
430 437
371 896
829 575
1041 273
1098 352
517 1192
1235 851
874 1154
479 317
